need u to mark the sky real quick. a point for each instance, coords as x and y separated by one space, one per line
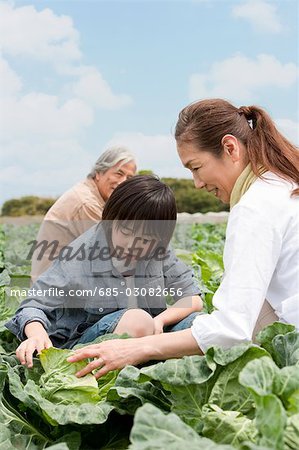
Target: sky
79 76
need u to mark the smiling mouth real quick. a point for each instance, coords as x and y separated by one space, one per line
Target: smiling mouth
214 191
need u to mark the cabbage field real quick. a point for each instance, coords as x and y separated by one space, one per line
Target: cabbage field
244 398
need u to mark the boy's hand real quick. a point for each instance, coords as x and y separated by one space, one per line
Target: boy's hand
26 349
158 325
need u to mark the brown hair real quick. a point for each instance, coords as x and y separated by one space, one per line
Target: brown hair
142 200
205 122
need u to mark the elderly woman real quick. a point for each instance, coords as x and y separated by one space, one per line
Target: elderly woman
80 207
238 155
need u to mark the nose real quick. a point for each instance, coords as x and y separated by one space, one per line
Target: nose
198 183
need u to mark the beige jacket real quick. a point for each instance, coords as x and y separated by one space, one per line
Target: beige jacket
71 215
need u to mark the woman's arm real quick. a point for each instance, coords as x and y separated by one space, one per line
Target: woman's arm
252 248
117 353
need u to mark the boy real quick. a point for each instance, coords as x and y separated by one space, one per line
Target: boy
113 278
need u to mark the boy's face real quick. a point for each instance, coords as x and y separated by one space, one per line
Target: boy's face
132 245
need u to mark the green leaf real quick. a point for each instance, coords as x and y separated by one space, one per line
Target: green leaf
189 381
270 421
113 435
252 446
293 403
129 394
8 306
286 349
59 383
265 336
188 401
62 414
259 375
4 278
227 392
291 436
51 413
183 371
5 436
227 427
60 446
154 430
71 440
16 388
225 356
55 359
286 386
106 382
8 341
19 425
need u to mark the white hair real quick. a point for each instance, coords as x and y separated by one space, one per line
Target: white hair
109 158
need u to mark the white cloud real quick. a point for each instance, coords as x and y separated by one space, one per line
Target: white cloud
92 88
154 152
49 38
44 115
39 34
42 167
10 83
261 14
290 129
240 78
41 133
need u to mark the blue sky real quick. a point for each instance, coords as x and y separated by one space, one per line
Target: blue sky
78 76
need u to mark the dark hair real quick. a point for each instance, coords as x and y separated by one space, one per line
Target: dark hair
143 200
205 122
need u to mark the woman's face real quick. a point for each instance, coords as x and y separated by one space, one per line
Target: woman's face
215 175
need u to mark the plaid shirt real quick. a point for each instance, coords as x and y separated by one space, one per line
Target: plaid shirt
74 294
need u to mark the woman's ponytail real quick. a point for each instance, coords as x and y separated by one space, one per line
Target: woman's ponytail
268 148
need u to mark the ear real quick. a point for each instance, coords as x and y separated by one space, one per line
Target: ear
231 147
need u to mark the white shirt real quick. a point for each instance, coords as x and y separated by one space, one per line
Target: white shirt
261 261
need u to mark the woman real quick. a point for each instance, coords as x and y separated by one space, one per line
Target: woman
237 154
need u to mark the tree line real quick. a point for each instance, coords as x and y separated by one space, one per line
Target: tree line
188 200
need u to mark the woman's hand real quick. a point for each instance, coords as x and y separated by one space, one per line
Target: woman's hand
118 353
111 355
26 349
158 325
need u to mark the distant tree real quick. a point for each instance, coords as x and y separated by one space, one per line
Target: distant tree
188 200
27 206
193 200
145 172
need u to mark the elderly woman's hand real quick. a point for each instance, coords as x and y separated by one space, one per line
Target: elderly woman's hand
111 355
